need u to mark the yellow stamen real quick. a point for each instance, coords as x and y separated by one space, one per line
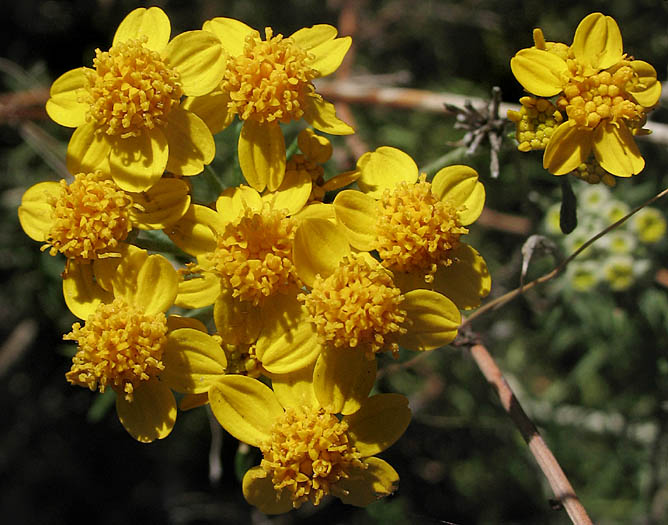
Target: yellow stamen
254 255
308 452
90 218
358 306
119 346
416 232
270 81
131 89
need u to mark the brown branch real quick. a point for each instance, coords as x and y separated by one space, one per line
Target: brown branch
558 481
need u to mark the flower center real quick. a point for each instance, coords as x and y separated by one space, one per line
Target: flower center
535 122
89 219
601 96
119 346
270 80
591 172
358 306
254 255
242 359
308 453
131 89
415 230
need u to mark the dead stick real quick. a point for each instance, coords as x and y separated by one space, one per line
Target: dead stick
561 487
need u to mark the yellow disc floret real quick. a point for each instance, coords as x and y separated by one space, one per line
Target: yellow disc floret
358 306
535 122
90 217
309 451
119 346
592 172
415 230
242 359
253 257
602 96
269 82
131 89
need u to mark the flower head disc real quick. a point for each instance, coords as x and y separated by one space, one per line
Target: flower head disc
535 122
119 346
357 306
253 256
90 218
270 80
416 230
131 89
308 452
242 359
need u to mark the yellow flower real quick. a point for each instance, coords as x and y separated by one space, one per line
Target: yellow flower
127 110
359 310
605 94
590 171
416 226
268 82
308 452
127 344
649 225
90 218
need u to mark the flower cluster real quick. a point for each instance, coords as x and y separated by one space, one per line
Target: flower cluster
618 259
306 283
589 98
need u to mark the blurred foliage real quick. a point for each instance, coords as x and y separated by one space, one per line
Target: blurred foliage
591 369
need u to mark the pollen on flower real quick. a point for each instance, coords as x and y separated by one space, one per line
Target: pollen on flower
309 452
416 232
131 89
602 96
90 217
357 306
119 346
270 81
253 256
535 122
592 172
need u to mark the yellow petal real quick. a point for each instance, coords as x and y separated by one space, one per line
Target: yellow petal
105 269
262 154
288 341
598 42
137 163
199 59
234 201
357 213
647 90
380 421
151 22
309 38
194 232
293 193
466 280
322 116
87 150
151 414
384 169
82 294
569 147
295 389
212 109
616 150
35 212
330 54
161 205
193 361
244 407
63 105
540 72
231 33
318 247
190 143
367 485
198 292
237 321
258 489
317 210
460 186
190 401
155 287
433 320
342 379
174 322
